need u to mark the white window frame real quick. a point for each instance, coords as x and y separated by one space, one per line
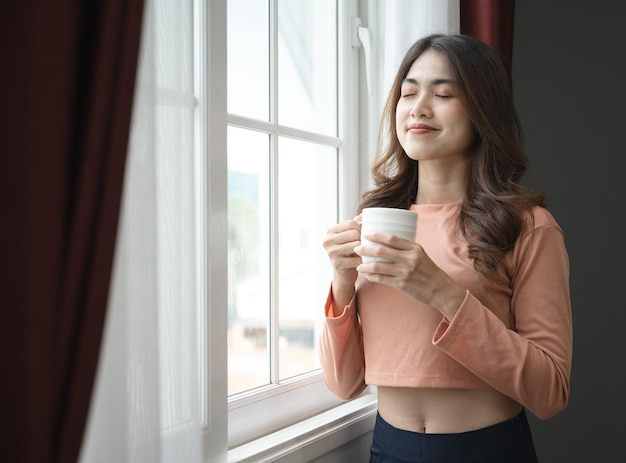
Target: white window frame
210 88
302 410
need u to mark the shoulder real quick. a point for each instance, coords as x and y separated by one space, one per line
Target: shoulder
537 218
540 245
540 232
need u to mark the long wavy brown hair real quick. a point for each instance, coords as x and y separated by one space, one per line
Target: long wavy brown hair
495 203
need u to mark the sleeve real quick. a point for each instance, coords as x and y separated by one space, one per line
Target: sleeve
532 363
341 351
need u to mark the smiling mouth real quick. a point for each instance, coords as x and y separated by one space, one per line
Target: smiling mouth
421 128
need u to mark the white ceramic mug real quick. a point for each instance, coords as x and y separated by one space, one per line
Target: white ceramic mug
400 222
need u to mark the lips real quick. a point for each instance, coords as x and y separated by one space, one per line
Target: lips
421 128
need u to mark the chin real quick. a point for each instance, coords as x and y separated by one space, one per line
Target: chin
422 156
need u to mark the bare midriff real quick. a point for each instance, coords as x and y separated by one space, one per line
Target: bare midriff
443 411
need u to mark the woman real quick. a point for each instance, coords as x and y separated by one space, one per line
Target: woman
471 323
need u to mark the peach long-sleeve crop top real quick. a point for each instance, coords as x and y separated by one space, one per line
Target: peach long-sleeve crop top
514 337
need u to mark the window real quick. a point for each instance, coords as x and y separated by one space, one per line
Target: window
283 147
278 91
288 143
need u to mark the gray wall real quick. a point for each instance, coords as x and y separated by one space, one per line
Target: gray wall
570 89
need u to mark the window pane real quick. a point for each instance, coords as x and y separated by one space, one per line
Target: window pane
248 259
248 58
307 204
307 65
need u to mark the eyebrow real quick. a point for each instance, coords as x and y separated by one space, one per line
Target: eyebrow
434 82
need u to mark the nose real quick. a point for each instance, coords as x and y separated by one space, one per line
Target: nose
421 106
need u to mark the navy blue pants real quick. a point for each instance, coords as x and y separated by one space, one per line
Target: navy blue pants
507 442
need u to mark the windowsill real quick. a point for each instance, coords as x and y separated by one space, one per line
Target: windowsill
344 423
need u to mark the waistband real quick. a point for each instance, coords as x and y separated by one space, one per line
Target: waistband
492 442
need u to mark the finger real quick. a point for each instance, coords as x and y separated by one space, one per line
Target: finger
348 263
375 270
350 238
376 251
343 250
389 240
345 226
344 233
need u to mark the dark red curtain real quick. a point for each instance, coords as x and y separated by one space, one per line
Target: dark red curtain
67 83
490 21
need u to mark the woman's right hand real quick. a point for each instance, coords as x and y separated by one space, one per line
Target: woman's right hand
339 243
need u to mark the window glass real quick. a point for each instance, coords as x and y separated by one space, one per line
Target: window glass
307 198
307 65
248 259
248 58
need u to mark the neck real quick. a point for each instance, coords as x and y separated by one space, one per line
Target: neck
437 185
439 197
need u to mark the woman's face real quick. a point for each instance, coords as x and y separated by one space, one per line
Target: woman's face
432 121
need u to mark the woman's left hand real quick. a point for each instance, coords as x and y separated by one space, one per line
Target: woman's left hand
411 271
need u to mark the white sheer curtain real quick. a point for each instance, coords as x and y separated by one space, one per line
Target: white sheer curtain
146 405
408 20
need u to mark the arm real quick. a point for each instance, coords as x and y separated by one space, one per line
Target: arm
341 340
531 364
341 351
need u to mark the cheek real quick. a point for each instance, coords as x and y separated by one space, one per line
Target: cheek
468 134
470 131
464 126
400 121
401 112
